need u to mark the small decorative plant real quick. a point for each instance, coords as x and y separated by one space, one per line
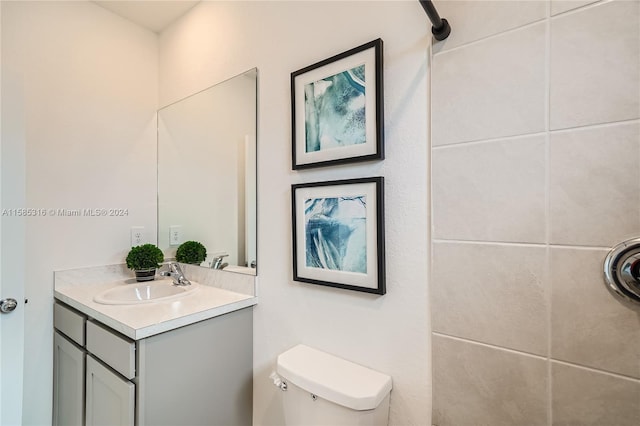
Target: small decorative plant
144 260
191 252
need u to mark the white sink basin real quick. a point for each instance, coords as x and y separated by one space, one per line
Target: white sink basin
149 292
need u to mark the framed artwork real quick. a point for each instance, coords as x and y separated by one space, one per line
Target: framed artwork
337 109
338 234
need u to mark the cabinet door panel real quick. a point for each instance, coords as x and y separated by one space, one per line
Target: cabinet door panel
198 375
68 382
110 399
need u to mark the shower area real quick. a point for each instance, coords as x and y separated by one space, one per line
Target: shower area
535 151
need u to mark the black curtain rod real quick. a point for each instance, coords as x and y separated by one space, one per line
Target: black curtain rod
441 28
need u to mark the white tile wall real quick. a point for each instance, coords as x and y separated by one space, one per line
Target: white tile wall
588 398
589 326
595 65
471 388
566 188
488 302
490 89
594 182
493 191
496 17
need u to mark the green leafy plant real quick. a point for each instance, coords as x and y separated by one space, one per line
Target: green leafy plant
191 252
145 256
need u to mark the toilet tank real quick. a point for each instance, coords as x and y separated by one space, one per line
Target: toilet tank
323 389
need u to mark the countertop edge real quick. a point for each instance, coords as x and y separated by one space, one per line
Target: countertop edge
152 330
158 328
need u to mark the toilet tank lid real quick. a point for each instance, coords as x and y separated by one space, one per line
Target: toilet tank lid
332 378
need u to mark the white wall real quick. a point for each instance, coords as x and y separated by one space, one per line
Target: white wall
89 83
217 40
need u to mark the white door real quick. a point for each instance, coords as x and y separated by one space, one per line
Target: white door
11 321
11 354
11 348
11 254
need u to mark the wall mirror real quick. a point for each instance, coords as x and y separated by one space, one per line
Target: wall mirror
207 173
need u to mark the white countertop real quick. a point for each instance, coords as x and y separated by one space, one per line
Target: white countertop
147 319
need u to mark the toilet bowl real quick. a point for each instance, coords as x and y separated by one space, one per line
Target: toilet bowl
324 390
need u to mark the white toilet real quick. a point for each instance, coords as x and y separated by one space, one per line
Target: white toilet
324 390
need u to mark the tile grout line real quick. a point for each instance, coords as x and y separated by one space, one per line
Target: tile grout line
490 345
596 371
540 133
529 24
596 125
496 139
431 228
547 177
518 244
493 243
572 247
535 356
490 36
580 8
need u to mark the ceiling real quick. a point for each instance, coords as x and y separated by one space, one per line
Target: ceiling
154 15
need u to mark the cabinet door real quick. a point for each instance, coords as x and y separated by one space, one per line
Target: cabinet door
68 382
110 399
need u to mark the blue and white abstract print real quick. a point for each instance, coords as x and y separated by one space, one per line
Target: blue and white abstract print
335 111
335 230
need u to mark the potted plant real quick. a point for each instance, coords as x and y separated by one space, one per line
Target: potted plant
191 252
144 260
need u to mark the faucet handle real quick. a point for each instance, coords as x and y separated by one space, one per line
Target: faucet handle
174 271
165 273
175 268
216 263
169 270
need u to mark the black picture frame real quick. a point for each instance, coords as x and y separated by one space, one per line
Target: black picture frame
323 135
338 234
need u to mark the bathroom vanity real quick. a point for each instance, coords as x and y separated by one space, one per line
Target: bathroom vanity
184 360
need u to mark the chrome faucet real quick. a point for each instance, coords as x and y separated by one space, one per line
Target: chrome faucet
174 271
216 263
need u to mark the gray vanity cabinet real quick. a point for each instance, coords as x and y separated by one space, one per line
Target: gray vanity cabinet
68 380
199 374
